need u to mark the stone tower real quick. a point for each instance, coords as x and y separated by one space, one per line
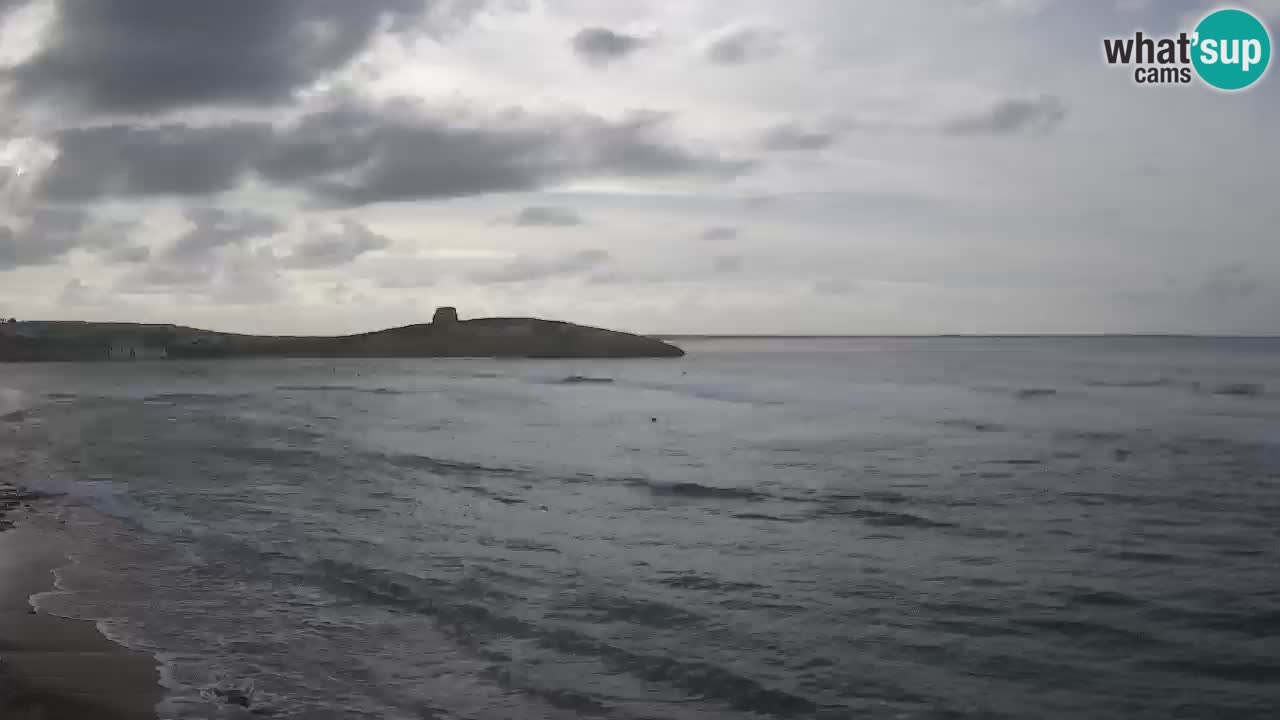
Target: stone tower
445 316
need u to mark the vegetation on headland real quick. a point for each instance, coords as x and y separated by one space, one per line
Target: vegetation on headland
444 337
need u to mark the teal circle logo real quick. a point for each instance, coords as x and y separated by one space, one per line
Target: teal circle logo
1231 49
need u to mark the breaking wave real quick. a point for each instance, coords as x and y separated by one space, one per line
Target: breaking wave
12 402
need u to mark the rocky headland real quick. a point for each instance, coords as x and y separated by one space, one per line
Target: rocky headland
444 336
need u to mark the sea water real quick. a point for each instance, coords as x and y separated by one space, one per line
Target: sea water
825 528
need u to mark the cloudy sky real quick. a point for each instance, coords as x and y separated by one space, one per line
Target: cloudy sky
738 166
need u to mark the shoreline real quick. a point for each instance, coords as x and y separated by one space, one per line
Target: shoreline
54 668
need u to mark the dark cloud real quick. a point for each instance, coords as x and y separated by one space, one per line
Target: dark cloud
357 154
135 56
17 251
528 269
129 161
328 248
638 147
47 235
547 216
214 228
743 45
8 179
57 222
719 233
791 137
599 46
1038 115
43 238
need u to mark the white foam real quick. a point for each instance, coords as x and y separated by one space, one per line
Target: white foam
12 400
63 600
167 663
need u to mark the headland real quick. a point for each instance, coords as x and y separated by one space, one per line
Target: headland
444 336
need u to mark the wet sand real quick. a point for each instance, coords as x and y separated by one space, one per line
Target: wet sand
53 668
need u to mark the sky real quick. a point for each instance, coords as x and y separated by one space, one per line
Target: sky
663 166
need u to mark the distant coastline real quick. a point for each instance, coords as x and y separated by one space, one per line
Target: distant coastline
444 336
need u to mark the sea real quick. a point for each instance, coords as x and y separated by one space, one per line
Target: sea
934 528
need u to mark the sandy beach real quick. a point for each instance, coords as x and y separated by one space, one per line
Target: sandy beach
53 668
